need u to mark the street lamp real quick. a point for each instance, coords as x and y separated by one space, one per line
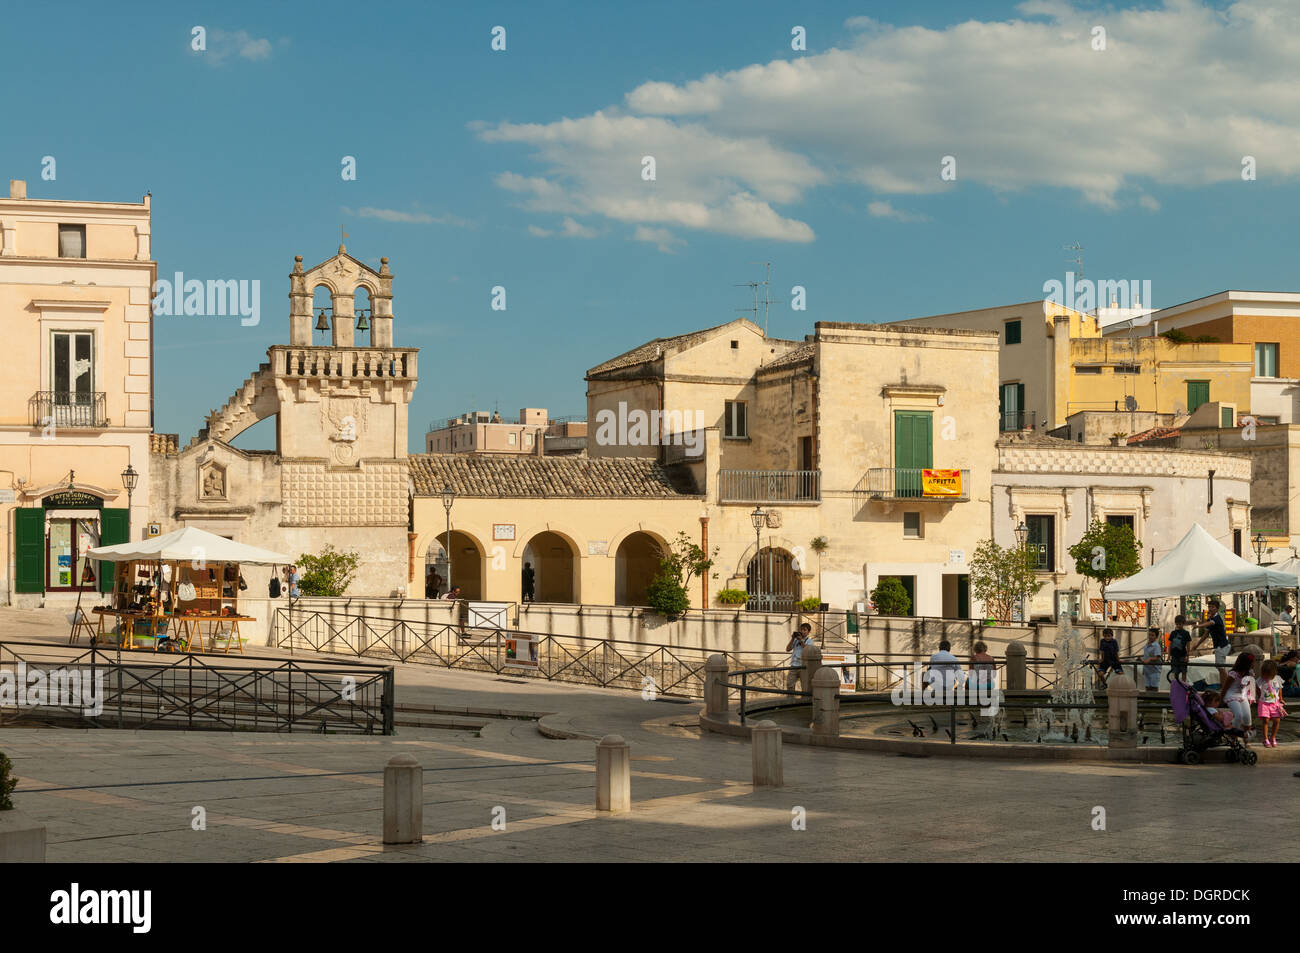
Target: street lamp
1022 538
757 518
1259 548
129 480
448 498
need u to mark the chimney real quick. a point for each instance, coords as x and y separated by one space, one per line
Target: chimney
17 189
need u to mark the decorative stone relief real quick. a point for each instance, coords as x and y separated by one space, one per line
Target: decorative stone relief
212 482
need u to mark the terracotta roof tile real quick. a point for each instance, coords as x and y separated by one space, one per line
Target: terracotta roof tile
484 475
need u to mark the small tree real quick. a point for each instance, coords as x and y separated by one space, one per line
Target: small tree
1107 551
819 545
1000 578
327 573
7 783
679 562
890 598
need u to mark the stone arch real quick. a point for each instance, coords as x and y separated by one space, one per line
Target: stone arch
364 304
616 539
771 580
467 563
636 560
521 543
553 557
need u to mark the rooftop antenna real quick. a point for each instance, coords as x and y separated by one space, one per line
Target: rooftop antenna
1078 259
766 300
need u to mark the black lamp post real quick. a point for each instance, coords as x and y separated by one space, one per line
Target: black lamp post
1022 539
129 480
448 498
1259 548
757 517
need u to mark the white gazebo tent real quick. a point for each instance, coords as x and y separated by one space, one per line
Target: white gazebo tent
184 548
1199 564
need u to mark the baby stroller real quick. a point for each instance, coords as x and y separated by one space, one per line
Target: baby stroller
1201 730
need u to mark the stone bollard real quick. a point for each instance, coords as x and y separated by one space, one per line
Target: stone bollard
812 663
1121 696
403 801
765 743
826 702
717 697
1016 678
613 775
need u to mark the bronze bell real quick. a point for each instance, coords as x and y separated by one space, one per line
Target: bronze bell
322 323
363 323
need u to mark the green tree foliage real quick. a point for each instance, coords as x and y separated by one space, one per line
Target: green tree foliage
7 783
890 598
1107 552
679 562
328 573
1000 578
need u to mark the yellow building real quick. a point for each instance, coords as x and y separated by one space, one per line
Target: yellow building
878 439
76 411
1054 362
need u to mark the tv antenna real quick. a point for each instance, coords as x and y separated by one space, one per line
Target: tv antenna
766 300
1078 259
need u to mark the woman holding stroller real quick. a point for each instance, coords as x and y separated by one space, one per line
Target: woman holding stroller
1233 690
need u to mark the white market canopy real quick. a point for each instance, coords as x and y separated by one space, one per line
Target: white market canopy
1291 565
1199 564
190 544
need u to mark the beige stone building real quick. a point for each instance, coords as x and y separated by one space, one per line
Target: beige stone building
879 439
76 400
1056 488
531 433
338 474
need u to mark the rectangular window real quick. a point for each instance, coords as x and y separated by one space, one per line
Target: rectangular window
1198 392
72 241
72 378
1117 519
511 439
1013 331
1226 417
1012 398
734 423
1126 368
1042 541
911 525
1087 368
1265 359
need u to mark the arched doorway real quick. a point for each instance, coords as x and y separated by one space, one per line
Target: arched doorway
635 564
772 581
466 565
554 565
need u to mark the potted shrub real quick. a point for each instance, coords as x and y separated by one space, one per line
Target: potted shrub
732 597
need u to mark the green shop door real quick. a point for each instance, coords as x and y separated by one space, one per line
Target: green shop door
913 450
1198 392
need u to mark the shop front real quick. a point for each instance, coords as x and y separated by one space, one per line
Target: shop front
53 537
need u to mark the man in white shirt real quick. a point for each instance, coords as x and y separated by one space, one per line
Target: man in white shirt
945 669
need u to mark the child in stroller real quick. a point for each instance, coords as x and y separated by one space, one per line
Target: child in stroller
1205 725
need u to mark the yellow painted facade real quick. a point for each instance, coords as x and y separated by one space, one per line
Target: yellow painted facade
76 401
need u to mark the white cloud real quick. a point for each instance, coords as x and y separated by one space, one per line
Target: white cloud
665 240
413 218
568 229
223 44
881 209
1179 95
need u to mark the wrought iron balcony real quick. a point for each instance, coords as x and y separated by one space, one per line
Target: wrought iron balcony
771 486
1018 420
64 409
900 483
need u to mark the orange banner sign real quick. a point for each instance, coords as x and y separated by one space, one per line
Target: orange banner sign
941 482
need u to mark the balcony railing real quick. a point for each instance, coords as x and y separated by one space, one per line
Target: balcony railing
1018 420
771 486
904 483
63 409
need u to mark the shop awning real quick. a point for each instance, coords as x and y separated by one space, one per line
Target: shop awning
190 544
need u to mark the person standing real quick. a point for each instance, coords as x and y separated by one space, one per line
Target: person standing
1151 658
529 582
798 640
294 580
1218 636
1271 709
1179 639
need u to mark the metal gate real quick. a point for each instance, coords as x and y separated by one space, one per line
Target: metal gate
772 581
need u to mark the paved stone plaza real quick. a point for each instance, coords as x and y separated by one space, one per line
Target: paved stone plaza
115 796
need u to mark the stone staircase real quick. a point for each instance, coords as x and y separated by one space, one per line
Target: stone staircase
238 412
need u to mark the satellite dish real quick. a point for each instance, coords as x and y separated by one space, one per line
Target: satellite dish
1130 402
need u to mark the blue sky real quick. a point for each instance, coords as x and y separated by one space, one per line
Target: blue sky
522 168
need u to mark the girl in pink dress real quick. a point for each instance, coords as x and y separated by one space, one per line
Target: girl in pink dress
1271 710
